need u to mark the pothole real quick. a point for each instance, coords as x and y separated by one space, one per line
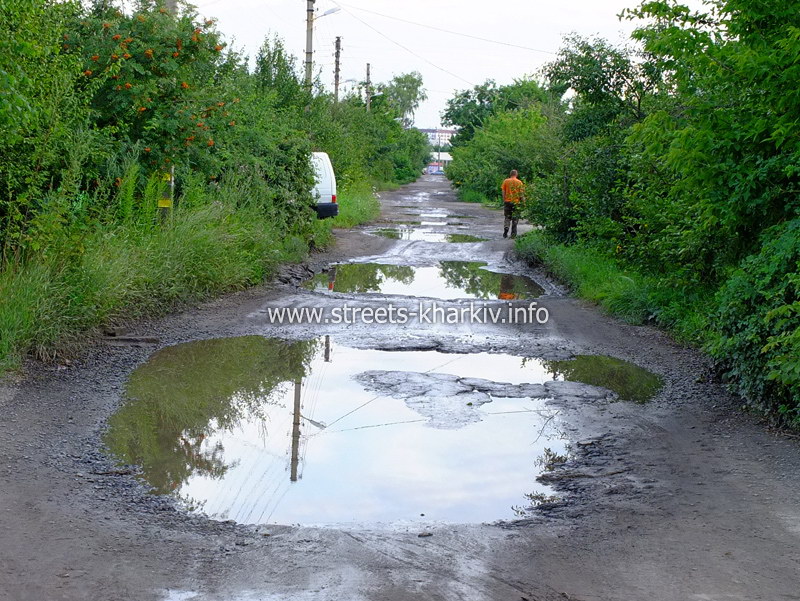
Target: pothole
441 223
628 380
424 235
403 222
447 280
261 430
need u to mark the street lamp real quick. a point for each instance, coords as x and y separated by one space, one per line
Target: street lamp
330 11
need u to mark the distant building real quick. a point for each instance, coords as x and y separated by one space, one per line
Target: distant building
439 137
439 162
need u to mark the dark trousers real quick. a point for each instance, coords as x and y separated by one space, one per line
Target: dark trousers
511 217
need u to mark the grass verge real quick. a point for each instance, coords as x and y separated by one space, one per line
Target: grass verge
469 195
357 204
634 297
128 271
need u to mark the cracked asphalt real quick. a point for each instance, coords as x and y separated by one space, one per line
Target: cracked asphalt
681 498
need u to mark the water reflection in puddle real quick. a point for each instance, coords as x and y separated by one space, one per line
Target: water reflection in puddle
629 381
417 234
441 223
450 279
265 431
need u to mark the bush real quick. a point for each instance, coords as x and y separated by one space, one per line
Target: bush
758 325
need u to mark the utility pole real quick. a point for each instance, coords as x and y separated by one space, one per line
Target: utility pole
369 91
336 71
309 40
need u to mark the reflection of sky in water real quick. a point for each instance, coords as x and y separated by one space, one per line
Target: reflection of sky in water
359 469
414 234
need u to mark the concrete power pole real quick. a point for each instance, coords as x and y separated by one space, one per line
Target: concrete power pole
309 40
336 71
369 91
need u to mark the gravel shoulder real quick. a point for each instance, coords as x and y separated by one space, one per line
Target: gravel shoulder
685 497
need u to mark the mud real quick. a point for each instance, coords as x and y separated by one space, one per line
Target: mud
682 497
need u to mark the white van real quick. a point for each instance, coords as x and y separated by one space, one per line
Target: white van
325 189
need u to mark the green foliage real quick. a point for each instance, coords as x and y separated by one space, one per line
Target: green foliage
635 297
98 103
357 204
758 324
404 93
523 140
603 76
727 158
469 110
470 195
668 175
125 272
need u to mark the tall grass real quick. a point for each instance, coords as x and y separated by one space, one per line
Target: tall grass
131 270
357 204
634 297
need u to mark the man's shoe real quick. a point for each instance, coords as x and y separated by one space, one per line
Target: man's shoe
513 236
505 234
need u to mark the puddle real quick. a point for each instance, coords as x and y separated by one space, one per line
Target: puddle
260 430
416 234
629 381
449 280
403 222
464 238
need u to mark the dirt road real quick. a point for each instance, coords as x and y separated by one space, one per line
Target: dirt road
682 497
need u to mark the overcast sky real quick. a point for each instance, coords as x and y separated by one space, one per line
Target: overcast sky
393 46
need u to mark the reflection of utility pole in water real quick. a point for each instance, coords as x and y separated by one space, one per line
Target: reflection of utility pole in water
297 417
298 384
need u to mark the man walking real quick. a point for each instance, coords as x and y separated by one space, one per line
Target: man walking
513 194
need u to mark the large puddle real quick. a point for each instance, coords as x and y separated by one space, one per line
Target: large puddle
424 235
629 381
265 431
448 280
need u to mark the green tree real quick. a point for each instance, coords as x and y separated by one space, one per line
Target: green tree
468 110
405 93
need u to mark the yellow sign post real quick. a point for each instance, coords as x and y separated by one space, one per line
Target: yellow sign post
166 201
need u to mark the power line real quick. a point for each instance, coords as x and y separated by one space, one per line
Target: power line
451 32
442 69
